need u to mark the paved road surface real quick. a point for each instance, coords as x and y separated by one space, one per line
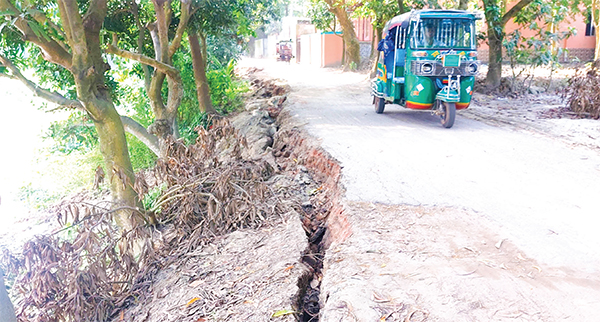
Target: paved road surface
542 193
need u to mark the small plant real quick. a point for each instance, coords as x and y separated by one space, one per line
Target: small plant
151 199
352 66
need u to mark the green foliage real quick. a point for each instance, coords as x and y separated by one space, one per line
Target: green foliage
141 156
321 17
50 183
150 200
76 133
36 197
225 89
543 48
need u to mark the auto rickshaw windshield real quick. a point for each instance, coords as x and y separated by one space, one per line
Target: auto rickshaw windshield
434 33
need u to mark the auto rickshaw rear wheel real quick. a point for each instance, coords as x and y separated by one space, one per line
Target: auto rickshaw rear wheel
448 113
379 104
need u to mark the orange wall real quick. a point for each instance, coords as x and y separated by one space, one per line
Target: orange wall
580 40
332 47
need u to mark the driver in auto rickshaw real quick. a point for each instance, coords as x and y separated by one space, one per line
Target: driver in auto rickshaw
428 39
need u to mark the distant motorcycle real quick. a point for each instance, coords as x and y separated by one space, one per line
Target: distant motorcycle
284 50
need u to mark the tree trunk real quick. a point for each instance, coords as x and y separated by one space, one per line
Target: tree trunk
89 71
597 49
495 28
113 147
401 6
199 64
85 62
374 42
7 311
463 4
351 44
494 74
378 32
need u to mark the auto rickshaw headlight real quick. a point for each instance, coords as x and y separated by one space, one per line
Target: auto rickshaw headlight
472 68
426 68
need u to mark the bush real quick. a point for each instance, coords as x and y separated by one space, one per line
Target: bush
583 97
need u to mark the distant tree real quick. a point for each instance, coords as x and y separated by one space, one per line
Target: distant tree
379 11
227 19
339 9
496 19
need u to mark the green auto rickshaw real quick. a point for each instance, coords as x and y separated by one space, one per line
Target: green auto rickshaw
428 61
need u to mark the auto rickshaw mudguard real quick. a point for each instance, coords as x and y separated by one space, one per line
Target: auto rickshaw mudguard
419 92
448 95
466 92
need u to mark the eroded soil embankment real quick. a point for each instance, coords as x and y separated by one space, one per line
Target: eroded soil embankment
322 213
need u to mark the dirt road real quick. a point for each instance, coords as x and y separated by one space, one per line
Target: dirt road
479 222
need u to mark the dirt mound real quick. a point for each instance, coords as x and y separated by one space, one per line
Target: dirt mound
241 218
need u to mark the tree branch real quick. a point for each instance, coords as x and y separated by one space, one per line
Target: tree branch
162 67
514 10
73 24
48 95
52 50
183 21
42 19
136 129
163 11
135 10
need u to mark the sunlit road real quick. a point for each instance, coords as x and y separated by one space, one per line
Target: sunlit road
542 193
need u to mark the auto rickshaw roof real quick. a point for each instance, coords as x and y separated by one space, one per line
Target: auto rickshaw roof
428 13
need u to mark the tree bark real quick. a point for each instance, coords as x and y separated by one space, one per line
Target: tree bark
463 4
401 6
199 65
351 44
374 42
494 74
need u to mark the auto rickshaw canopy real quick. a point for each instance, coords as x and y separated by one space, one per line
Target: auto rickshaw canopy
415 15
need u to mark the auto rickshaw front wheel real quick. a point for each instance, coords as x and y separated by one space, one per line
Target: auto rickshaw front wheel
447 113
379 104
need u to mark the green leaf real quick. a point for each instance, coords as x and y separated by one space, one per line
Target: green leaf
282 313
7 12
38 30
